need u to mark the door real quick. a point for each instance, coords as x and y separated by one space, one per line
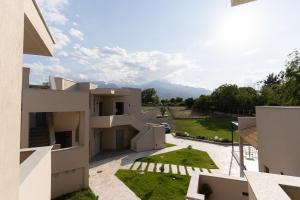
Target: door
100 109
119 108
96 142
119 139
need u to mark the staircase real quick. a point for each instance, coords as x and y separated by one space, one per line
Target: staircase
135 139
39 136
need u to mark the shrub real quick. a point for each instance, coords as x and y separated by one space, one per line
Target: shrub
206 190
162 168
181 134
190 147
226 140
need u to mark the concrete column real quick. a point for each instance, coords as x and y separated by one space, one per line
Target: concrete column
241 150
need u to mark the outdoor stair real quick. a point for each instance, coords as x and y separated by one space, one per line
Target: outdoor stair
39 137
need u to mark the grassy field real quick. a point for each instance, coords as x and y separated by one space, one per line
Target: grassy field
186 157
155 186
85 194
207 127
170 145
183 112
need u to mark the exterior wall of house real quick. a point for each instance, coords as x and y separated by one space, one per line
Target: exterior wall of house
108 139
35 174
278 139
11 50
69 111
223 187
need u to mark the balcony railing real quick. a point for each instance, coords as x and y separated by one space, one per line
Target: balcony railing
35 173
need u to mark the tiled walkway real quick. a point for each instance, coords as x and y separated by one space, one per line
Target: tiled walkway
167 168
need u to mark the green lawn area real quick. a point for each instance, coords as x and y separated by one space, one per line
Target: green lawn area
155 186
186 157
85 194
207 127
169 145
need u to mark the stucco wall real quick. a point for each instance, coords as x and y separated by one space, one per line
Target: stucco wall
278 139
11 50
225 187
35 181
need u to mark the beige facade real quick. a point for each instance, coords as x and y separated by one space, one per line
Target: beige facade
81 121
22 30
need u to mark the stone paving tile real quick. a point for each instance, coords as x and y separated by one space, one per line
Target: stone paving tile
136 165
205 170
167 168
190 170
182 170
151 167
158 165
174 169
143 166
197 169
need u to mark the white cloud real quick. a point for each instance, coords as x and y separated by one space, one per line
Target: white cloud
52 9
61 39
40 71
114 64
251 52
76 33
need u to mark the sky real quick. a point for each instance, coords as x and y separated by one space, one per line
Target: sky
197 43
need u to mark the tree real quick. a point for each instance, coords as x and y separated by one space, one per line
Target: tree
189 102
203 103
224 98
291 86
163 111
150 96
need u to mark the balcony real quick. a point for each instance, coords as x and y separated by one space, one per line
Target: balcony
37 37
109 121
35 173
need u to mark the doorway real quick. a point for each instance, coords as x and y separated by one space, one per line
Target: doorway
119 108
64 139
119 139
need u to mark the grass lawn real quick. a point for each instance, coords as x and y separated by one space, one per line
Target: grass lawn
155 186
169 145
187 157
207 127
85 194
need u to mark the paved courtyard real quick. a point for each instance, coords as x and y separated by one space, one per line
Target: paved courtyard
107 186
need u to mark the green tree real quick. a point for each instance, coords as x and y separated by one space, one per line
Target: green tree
189 102
163 111
203 103
150 96
224 98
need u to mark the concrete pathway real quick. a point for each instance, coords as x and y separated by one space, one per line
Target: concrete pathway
220 154
105 184
174 169
183 170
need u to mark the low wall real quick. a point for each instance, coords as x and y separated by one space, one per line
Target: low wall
35 174
69 170
223 187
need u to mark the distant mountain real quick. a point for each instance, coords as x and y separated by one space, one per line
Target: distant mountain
103 84
164 89
168 90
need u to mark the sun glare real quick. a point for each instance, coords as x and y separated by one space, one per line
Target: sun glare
238 27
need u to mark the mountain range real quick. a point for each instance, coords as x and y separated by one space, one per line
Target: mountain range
165 90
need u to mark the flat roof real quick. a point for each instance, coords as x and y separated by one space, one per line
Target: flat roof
267 186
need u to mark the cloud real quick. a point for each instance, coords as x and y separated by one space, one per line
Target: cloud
52 10
76 33
251 52
61 39
40 71
115 64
